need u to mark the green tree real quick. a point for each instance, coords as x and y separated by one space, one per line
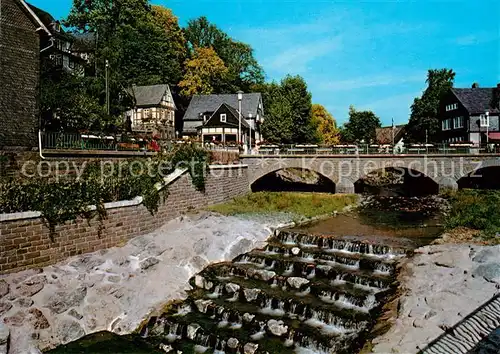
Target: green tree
166 19
204 71
288 112
327 131
425 110
243 69
68 102
360 127
140 43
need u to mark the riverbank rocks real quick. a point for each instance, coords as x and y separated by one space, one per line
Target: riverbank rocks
64 300
4 288
31 286
118 288
444 283
4 338
149 262
68 330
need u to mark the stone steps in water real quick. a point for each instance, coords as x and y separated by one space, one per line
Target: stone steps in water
217 324
287 250
299 289
195 338
351 260
332 276
349 244
314 268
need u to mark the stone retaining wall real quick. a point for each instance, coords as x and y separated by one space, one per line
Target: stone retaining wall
25 242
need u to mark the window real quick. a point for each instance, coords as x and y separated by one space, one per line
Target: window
223 117
458 122
446 124
451 107
484 120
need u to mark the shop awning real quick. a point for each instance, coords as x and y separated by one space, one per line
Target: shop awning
494 136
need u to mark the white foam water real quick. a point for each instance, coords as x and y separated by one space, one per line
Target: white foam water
325 328
258 336
303 350
268 310
304 293
200 349
216 294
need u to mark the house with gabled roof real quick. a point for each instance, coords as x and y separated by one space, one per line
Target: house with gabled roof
202 108
153 112
470 115
59 46
223 125
22 37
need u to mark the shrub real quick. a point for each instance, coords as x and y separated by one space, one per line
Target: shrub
475 209
69 199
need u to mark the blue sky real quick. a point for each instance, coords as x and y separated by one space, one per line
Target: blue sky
372 54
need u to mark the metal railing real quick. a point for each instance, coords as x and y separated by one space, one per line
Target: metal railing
415 149
75 141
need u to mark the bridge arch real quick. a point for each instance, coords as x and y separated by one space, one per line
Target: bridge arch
484 175
271 182
402 179
263 167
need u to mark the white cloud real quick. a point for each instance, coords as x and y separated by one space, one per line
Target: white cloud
396 106
371 81
296 58
473 39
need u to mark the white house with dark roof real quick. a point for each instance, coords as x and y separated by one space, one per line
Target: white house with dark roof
199 121
470 115
153 112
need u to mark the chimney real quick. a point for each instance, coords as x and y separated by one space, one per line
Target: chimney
475 85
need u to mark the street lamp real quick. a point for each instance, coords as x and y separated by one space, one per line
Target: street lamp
250 131
487 114
107 87
240 97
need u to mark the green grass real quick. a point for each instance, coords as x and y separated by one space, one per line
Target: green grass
301 204
475 209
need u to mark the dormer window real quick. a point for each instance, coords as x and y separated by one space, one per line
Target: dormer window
57 27
484 120
451 107
223 117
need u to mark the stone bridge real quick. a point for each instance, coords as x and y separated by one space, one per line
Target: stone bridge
346 170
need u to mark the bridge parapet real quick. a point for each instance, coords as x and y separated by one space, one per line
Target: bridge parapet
345 170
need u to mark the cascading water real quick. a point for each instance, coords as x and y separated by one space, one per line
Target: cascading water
301 293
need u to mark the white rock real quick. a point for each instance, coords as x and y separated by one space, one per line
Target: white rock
277 328
250 348
297 282
295 251
251 294
192 329
202 305
248 317
231 288
232 343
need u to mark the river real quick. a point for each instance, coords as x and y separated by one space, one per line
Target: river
316 288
